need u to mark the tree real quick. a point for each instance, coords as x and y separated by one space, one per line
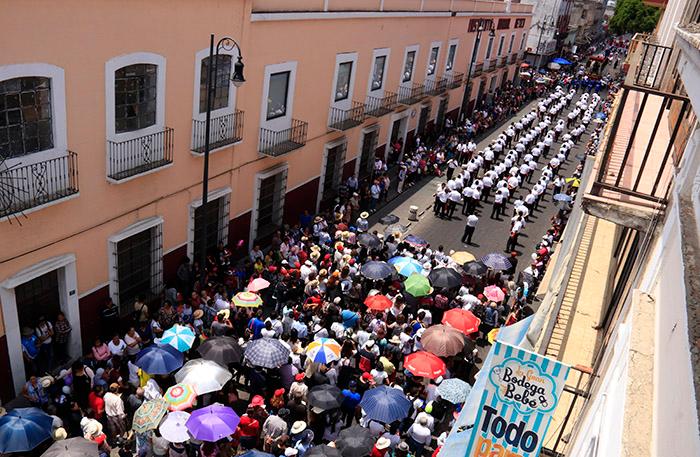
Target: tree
633 16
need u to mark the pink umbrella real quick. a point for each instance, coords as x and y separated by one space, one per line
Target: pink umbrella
494 293
258 284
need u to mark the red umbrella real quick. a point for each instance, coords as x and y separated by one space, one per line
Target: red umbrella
462 320
494 293
424 364
378 302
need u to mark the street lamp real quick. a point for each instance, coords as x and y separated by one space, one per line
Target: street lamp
237 79
467 88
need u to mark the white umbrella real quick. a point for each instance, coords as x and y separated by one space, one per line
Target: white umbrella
173 427
204 375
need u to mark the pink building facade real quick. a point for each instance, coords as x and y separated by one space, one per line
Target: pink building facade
102 131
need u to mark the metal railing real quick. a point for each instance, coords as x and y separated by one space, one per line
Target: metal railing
278 142
648 63
435 86
409 95
23 187
138 155
489 65
224 130
454 80
477 68
501 61
343 119
379 106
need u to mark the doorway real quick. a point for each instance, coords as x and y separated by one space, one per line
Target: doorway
399 130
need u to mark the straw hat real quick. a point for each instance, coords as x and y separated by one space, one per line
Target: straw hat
315 255
364 215
60 434
383 443
46 381
225 312
198 314
298 427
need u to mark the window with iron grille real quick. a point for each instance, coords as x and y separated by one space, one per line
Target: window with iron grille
135 97
214 216
369 145
408 66
451 57
139 266
423 120
333 174
25 116
270 211
38 297
220 80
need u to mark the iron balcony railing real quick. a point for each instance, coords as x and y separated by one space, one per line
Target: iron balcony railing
501 61
435 86
648 63
379 106
278 142
477 68
26 186
344 119
454 80
408 95
138 155
224 130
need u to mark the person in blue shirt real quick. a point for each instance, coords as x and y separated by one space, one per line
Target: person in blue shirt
256 324
30 349
351 398
350 318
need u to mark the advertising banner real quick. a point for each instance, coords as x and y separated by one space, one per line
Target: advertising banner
521 391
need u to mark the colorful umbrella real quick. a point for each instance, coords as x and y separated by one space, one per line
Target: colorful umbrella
203 375
72 447
376 270
323 350
149 414
258 284
23 429
157 359
406 266
173 428
475 268
462 257
454 390
494 293
416 241
378 302
180 397
355 441
462 320
425 365
325 397
213 423
496 260
417 285
247 300
179 337
446 278
221 349
267 353
442 340
385 404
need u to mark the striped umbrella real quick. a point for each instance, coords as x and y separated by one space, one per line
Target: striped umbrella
323 350
179 337
247 300
180 397
406 266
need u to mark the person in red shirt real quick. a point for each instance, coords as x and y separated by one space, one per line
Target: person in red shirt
381 447
96 402
249 431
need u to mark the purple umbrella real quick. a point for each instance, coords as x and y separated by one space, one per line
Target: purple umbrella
416 241
213 422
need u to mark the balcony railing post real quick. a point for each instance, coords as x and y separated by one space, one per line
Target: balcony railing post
275 143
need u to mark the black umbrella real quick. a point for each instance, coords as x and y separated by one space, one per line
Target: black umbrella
355 441
325 397
389 219
446 278
475 268
323 451
221 349
393 228
369 240
377 270
72 447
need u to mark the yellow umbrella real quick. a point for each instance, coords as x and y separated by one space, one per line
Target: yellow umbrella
575 182
462 257
492 335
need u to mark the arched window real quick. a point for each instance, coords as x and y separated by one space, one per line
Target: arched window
135 97
25 116
220 80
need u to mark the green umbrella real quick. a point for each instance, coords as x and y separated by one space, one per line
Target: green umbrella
418 285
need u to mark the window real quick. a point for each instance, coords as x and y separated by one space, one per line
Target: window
277 95
342 84
489 47
522 41
220 80
135 97
503 24
432 62
451 57
333 171
269 204
510 44
474 24
500 44
378 72
519 23
214 216
25 116
408 67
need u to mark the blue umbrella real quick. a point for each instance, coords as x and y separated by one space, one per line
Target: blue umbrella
416 241
23 429
562 198
385 404
157 359
561 61
179 337
376 270
496 260
600 115
255 453
406 266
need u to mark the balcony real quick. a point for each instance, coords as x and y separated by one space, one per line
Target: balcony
379 106
139 155
23 187
435 86
489 65
454 80
477 69
501 61
408 95
344 119
513 58
275 143
647 63
224 130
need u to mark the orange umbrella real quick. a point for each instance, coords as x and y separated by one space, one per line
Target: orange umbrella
378 302
462 320
425 365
